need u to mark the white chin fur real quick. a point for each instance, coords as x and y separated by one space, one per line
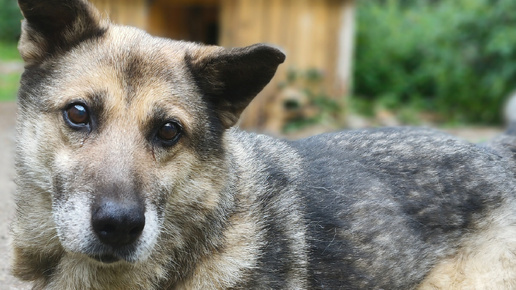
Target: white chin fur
73 224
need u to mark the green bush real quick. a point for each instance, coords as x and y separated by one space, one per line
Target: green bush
456 58
9 84
10 18
9 51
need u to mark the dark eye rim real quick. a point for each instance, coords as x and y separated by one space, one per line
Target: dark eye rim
172 142
73 125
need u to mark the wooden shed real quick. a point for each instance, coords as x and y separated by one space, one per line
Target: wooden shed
315 34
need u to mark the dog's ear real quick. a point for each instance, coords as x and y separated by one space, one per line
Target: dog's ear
231 78
54 26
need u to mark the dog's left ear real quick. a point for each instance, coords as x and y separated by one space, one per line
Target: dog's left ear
231 78
54 26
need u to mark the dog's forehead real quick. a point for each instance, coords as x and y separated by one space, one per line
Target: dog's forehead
130 71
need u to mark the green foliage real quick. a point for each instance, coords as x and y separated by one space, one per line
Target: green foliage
10 71
9 84
9 51
456 57
10 18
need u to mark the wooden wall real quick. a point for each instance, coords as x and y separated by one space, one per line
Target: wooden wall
126 12
315 34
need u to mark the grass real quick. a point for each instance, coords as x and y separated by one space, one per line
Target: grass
9 51
9 82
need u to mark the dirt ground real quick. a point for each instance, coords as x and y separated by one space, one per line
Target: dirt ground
7 118
7 186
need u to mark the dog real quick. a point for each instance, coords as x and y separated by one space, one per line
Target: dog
131 175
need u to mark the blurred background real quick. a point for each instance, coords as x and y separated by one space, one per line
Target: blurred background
445 63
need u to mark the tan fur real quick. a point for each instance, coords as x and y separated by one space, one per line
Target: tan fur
486 260
223 269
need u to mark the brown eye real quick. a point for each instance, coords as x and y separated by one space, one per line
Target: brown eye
169 132
77 115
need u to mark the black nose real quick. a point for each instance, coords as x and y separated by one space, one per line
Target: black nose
118 223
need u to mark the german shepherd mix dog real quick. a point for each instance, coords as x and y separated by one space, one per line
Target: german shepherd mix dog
130 177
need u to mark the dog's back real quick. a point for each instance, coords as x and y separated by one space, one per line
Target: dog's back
381 208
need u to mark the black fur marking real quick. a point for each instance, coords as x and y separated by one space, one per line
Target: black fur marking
54 19
231 78
135 71
32 80
207 138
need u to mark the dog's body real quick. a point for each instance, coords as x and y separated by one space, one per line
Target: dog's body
129 177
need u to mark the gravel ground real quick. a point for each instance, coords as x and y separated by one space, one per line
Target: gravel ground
7 120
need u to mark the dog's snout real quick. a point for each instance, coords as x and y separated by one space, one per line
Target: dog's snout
118 223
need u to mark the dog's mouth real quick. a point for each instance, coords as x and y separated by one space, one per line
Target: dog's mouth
110 256
106 258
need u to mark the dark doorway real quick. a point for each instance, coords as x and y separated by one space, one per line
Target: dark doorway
185 21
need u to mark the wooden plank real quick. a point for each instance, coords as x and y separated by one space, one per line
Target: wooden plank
128 12
261 20
226 33
292 28
304 34
320 33
345 49
274 19
246 22
333 45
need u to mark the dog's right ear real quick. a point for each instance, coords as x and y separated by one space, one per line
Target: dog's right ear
54 26
231 78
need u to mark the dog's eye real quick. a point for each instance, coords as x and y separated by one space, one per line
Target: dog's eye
77 115
169 132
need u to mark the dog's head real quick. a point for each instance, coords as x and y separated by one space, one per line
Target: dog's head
121 134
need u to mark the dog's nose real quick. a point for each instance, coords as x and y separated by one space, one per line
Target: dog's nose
118 223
